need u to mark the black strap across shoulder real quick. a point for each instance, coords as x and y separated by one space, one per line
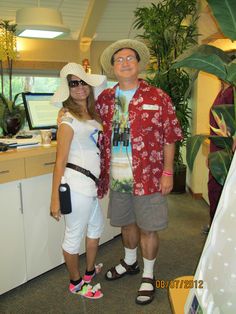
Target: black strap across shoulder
82 170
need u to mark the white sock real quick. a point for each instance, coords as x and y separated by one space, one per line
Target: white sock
130 259
130 256
148 266
147 273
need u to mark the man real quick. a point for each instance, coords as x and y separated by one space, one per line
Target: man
140 128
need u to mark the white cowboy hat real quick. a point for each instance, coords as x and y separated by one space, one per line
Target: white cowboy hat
136 45
62 92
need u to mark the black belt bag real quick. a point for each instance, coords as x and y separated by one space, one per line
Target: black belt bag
84 171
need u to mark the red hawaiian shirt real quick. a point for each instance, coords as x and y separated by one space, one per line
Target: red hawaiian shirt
153 124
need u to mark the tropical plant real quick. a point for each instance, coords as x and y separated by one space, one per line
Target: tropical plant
215 61
11 113
169 28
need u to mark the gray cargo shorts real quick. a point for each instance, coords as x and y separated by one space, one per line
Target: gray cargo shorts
149 212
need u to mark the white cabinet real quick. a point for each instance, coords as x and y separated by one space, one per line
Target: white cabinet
43 234
30 239
12 246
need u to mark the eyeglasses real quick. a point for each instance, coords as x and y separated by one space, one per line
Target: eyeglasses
121 60
75 83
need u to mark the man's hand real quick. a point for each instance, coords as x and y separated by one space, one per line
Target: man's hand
166 183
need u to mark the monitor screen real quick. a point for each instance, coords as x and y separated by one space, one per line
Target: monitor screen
40 113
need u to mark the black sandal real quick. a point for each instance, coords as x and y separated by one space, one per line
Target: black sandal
130 270
146 293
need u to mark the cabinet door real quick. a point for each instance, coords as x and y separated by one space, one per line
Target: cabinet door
43 234
12 260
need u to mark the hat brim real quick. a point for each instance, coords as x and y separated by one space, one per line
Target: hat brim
136 45
62 93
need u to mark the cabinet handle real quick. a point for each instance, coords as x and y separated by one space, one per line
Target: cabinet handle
49 163
4 171
21 197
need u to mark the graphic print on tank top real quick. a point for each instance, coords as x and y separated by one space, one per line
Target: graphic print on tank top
121 160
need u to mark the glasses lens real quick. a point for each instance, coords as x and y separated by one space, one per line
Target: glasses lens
121 60
75 83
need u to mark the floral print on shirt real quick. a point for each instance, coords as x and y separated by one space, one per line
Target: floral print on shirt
153 124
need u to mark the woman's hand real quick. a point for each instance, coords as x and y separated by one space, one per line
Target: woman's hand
55 210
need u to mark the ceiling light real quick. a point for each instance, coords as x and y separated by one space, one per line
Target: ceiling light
40 23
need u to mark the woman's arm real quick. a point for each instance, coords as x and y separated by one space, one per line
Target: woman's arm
64 137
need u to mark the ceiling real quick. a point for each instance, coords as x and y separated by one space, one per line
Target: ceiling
99 20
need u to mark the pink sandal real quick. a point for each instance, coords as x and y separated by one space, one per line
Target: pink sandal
97 270
91 292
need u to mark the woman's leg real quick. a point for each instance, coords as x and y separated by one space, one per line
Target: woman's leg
72 263
76 223
95 228
91 252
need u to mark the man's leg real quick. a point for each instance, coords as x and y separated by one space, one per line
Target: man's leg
130 239
130 236
149 242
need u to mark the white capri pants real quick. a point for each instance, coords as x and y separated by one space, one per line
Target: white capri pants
86 214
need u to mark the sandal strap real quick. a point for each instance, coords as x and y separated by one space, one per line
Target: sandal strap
128 267
113 271
145 293
149 280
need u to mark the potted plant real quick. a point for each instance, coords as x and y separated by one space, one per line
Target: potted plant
168 35
215 61
11 113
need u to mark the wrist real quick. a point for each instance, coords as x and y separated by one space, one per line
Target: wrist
167 173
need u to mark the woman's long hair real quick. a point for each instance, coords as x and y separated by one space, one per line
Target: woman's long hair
76 109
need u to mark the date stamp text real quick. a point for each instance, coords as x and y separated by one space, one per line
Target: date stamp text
179 284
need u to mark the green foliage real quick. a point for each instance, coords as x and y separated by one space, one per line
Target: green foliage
219 163
224 12
211 60
193 145
169 28
10 108
217 62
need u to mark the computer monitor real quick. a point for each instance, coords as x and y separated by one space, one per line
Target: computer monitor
40 112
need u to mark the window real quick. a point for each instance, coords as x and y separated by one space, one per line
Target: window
34 84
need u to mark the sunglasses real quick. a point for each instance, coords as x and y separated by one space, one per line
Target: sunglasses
75 83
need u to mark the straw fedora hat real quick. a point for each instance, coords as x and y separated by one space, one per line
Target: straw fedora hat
136 45
62 92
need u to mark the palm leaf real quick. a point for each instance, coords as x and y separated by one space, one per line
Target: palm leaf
231 72
219 163
206 50
225 14
212 64
222 142
192 148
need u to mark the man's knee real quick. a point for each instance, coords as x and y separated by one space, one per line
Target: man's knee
149 234
129 227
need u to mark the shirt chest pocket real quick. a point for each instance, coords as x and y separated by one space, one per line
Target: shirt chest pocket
150 121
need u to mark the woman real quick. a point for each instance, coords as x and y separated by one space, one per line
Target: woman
77 145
